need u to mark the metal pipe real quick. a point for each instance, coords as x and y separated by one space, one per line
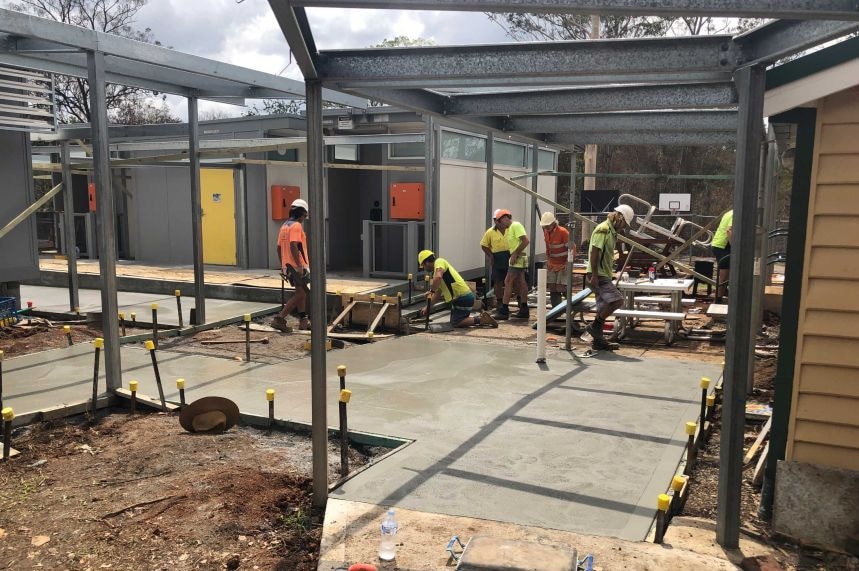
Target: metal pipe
247 337
180 385
8 417
196 213
344 426
67 330
106 219
315 157
429 176
99 343
30 210
178 294
1 379
150 346
532 248
490 181
269 396
69 226
739 350
541 315
155 324
571 226
132 387
122 323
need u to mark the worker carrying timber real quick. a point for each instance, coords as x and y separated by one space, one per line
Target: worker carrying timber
294 265
600 272
494 245
557 240
721 247
447 283
515 283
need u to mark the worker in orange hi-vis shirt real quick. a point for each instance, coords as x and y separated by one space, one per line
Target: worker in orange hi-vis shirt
557 237
294 265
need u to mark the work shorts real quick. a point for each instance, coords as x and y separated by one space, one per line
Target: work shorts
296 279
723 256
500 263
556 277
606 293
461 307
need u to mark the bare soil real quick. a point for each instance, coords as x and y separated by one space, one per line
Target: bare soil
23 339
140 493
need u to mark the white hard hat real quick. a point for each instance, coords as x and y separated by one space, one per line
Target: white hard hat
547 219
300 203
627 212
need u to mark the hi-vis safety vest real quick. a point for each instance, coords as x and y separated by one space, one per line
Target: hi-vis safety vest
556 248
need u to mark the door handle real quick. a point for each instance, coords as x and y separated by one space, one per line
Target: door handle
393 201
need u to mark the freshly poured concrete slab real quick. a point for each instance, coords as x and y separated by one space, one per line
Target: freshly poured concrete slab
576 446
56 300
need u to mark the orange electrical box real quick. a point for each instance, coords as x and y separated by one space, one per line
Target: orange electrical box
90 192
407 201
281 200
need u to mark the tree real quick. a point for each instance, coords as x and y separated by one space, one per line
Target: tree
112 17
559 27
403 42
141 110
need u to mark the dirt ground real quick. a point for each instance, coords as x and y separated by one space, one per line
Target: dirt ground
140 493
41 336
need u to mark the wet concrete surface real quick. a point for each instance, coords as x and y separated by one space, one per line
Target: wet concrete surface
56 300
583 446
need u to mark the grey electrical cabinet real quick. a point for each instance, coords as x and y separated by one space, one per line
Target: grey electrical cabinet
19 255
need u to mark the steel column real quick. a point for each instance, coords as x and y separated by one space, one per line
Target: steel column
196 213
739 351
429 180
69 226
490 181
532 248
105 219
318 314
571 226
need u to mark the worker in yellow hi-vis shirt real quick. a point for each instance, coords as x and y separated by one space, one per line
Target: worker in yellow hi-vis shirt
448 284
721 247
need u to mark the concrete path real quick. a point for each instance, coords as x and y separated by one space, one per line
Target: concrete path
56 300
575 446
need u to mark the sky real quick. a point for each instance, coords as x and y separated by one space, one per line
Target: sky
246 33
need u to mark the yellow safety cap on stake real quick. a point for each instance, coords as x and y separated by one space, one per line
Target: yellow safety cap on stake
67 329
121 315
1 355
711 400
369 335
705 383
132 386
677 483
338 293
149 344
426 278
180 383
177 293
154 306
247 317
691 427
133 315
345 395
399 295
98 342
269 394
372 297
8 414
663 502
384 299
429 294
341 370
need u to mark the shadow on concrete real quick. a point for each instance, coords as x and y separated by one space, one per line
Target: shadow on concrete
631 395
593 429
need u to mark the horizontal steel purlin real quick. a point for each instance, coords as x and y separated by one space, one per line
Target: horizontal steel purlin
591 100
782 38
788 9
507 62
666 121
705 138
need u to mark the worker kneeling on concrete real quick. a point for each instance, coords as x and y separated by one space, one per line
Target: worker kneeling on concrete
557 238
447 283
601 272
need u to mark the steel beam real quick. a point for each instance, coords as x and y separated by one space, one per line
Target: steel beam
532 246
430 160
667 121
795 9
196 212
781 38
739 350
105 220
318 313
490 182
508 64
69 226
642 138
293 23
594 100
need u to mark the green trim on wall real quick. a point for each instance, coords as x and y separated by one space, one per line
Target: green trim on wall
806 120
813 63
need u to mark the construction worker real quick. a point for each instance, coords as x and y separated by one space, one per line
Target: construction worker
514 283
557 238
600 272
294 265
721 247
494 245
447 283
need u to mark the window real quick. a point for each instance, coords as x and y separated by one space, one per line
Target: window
508 154
406 150
346 153
545 160
283 154
463 147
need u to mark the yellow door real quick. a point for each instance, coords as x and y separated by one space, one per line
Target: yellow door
218 200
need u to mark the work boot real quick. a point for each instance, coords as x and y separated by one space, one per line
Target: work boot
603 345
486 320
555 299
279 323
501 314
304 324
523 312
595 332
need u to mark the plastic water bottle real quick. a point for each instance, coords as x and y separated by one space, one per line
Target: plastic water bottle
651 272
387 544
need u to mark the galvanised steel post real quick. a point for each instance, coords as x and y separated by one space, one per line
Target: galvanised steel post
532 248
105 218
69 226
490 168
739 351
429 176
196 213
315 157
